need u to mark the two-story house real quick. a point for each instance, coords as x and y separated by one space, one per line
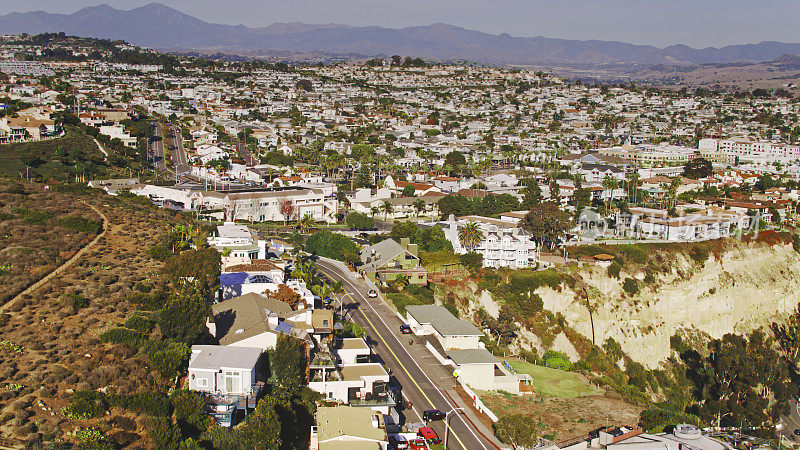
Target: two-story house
385 261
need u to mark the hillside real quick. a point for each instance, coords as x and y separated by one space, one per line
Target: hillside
159 26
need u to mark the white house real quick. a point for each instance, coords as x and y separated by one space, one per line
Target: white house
451 332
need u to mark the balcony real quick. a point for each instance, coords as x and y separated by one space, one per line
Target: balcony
381 396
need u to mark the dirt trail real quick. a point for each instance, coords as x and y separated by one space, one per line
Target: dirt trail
66 265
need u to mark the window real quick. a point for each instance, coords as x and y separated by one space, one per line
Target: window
202 382
325 323
233 382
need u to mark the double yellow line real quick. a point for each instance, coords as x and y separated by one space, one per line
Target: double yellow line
402 366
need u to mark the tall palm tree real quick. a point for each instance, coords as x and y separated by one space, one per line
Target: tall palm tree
387 209
419 205
470 236
306 222
374 211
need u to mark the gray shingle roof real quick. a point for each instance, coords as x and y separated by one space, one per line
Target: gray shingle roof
215 357
472 356
384 252
247 313
442 321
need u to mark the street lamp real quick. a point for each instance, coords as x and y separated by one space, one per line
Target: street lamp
447 424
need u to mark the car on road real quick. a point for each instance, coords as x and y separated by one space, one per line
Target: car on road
431 415
797 432
398 442
417 444
372 293
430 436
405 329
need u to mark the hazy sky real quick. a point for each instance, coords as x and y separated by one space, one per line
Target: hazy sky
698 23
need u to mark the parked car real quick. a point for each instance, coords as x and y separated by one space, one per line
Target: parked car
417 444
398 442
797 432
430 436
372 293
431 415
405 329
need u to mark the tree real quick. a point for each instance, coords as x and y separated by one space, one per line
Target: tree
546 223
531 194
470 236
697 168
517 430
288 362
409 191
183 317
456 161
286 295
419 205
555 191
305 223
387 208
359 221
287 209
471 260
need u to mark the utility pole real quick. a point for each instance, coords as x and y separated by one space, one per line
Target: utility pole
447 424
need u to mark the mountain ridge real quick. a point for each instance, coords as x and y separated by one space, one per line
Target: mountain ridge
161 27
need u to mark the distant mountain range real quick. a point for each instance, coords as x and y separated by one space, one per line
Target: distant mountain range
161 27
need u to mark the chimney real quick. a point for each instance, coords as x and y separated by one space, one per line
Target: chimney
272 319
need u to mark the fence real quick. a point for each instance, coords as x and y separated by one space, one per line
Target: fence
476 401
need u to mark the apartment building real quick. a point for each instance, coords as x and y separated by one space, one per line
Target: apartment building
504 243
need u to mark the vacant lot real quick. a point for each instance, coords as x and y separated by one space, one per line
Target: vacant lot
39 230
555 383
49 340
564 418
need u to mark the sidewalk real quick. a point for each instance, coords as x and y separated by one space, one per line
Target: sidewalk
473 417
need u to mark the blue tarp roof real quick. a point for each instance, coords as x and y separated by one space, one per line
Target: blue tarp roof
232 279
284 328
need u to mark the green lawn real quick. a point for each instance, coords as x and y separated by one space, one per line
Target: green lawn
553 382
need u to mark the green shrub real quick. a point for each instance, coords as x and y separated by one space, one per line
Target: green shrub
634 253
631 286
452 308
556 360
632 394
163 434
699 254
401 300
80 224
614 269
471 260
529 356
359 221
655 419
167 357
149 301
150 403
125 336
188 410
87 405
78 301
139 323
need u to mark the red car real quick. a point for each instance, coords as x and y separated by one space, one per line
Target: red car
430 436
417 444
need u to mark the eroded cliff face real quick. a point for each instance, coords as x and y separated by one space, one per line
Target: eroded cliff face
748 287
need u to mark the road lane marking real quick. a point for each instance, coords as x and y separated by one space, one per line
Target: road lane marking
354 287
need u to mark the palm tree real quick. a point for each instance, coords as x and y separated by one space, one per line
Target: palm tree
470 236
387 209
306 222
374 211
419 205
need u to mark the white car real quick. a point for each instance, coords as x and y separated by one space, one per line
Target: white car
372 293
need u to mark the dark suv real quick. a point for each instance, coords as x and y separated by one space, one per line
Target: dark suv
431 415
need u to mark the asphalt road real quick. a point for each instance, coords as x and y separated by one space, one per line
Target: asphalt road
790 422
157 149
180 160
245 154
422 378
